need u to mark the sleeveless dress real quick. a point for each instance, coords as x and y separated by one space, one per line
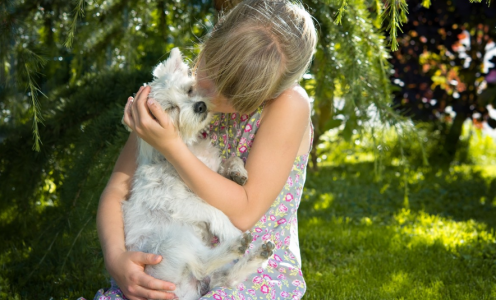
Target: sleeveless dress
280 277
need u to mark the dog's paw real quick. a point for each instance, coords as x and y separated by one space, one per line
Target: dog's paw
237 177
267 248
245 242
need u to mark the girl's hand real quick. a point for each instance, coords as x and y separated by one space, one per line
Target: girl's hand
128 271
146 118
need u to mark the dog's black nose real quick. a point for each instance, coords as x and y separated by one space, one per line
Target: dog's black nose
200 107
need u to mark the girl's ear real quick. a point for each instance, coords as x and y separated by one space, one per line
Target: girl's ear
173 64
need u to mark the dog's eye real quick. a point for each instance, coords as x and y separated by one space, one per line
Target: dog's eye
189 72
190 91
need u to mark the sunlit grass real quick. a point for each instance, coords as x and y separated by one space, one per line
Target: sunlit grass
360 239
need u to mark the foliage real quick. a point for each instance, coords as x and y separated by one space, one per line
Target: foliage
443 69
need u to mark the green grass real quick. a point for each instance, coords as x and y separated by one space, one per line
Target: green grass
360 237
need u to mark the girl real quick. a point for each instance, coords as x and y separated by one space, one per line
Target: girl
249 65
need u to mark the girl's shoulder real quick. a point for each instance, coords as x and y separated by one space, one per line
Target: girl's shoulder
293 100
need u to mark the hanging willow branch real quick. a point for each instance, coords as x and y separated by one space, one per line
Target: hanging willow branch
395 12
78 12
32 63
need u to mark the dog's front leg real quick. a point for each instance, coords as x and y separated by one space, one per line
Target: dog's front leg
233 168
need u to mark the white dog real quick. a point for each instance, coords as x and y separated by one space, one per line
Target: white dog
165 217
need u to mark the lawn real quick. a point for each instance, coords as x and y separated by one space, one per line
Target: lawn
361 239
361 236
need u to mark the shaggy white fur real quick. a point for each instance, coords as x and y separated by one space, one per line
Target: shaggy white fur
165 217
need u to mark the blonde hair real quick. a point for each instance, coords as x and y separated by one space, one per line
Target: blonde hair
257 50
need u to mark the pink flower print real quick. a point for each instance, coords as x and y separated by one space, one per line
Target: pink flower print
204 134
228 146
250 142
297 179
282 270
266 237
244 117
284 294
298 192
281 276
263 219
258 123
224 137
104 298
299 272
251 136
233 116
238 133
291 255
264 289
211 127
272 217
281 221
222 293
257 279
279 245
216 123
267 277
255 236
272 294
290 181
286 241
289 197
252 292
283 208
242 149
297 294
296 282
277 258
247 128
241 297
277 236
222 127
258 229
241 287
272 263
259 271
214 137
242 141
217 297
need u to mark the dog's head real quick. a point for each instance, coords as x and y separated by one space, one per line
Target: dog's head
173 88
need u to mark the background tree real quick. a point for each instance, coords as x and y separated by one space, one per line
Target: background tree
443 67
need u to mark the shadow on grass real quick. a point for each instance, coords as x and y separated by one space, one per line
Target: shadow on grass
349 190
360 239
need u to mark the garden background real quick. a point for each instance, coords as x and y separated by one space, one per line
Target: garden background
400 199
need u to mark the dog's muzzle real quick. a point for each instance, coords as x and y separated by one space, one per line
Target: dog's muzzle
200 107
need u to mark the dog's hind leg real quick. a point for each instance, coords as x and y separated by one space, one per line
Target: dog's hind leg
244 267
226 253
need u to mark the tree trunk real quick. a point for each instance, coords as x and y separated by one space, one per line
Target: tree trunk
453 136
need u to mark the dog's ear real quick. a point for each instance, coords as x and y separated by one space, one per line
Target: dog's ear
173 64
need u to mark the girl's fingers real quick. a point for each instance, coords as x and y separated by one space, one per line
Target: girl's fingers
158 113
128 117
141 106
134 108
150 294
149 282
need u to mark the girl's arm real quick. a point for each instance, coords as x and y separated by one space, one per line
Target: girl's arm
270 161
127 268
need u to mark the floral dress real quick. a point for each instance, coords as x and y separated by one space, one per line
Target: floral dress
280 277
